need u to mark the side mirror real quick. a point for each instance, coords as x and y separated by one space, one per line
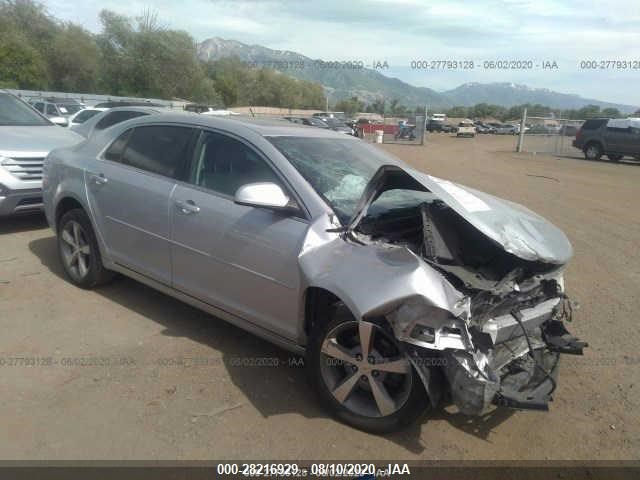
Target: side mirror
265 195
60 121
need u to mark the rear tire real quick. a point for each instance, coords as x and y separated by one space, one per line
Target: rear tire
79 252
592 151
378 401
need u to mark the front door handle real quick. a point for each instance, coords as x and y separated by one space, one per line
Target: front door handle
98 178
187 207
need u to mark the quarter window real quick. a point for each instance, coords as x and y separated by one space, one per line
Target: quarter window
114 152
158 149
223 164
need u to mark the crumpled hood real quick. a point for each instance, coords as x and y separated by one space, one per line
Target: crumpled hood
23 141
515 228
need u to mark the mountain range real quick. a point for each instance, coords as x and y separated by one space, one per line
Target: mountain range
370 85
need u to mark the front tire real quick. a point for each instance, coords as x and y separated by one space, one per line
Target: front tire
79 252
362 375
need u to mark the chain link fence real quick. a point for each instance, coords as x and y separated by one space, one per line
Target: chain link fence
549 134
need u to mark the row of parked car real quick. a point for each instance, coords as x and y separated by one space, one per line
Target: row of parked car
327 120
437 125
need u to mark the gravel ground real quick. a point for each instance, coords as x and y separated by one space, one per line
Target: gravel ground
128 373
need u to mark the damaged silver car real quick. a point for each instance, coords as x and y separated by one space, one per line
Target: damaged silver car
402 290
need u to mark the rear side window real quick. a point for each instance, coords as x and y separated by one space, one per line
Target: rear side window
51 109
158 149
593 124
112 118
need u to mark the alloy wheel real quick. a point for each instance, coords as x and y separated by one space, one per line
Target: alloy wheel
365 370
76 252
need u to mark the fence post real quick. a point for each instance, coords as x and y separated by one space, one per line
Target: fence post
522 127
424 126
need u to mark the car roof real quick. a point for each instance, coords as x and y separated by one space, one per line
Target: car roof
261 126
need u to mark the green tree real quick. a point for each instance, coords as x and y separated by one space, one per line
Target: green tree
457 112
611 113
21 65
350 106
73 65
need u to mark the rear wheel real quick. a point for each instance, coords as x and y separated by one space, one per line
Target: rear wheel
362 375
78 249
593 151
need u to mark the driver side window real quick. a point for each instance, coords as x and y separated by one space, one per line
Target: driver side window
223 164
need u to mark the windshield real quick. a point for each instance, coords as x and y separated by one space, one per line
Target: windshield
14 112
337 169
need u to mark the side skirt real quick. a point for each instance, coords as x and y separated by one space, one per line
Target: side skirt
263 333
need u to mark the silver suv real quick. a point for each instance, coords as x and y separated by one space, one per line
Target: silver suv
26 137
58 110
397 286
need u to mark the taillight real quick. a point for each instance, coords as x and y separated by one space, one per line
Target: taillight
578 133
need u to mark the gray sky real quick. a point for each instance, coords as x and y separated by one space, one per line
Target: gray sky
401 31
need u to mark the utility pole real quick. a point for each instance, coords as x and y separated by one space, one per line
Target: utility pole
522 127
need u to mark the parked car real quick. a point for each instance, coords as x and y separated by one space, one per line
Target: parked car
505 129
311 121
339 126
466 129
569 130
540 129
336 115
448 128
112 116
26 137
483 129
614 138
83 115
56 109
397 286
434 125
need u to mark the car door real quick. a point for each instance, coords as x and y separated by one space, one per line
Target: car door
629 140
238 258
129 190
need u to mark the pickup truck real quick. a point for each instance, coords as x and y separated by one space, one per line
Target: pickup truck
466 129
614 138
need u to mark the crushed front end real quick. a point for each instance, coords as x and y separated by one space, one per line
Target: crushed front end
499 340
505 354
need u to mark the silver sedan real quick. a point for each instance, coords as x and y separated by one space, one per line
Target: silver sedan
397 286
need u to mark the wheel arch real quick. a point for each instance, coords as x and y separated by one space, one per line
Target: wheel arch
65 204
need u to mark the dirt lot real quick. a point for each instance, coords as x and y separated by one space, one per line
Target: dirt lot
167 384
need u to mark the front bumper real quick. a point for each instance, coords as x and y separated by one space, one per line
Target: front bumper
518 373
15 202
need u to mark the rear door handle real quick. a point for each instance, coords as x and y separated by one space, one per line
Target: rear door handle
187 207
98 178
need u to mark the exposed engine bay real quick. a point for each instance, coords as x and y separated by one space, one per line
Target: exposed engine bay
501 343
